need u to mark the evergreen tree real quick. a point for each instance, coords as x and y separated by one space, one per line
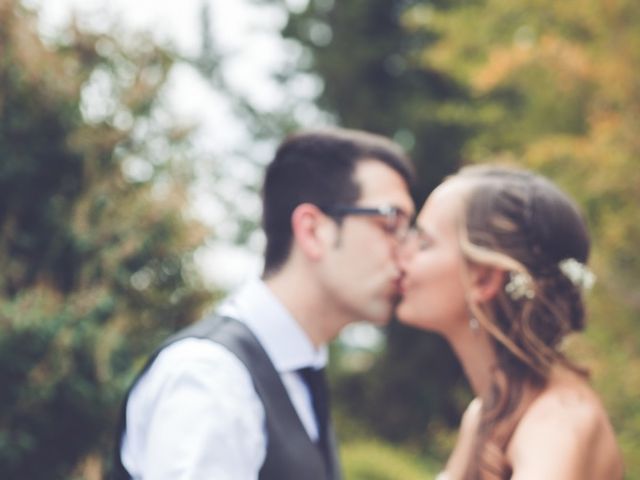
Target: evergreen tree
95 246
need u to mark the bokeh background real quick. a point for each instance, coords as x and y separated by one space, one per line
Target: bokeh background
112 200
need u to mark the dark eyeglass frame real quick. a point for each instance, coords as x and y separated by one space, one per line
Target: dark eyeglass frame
393 216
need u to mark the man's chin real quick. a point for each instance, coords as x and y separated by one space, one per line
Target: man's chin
381 322
383 318
382 311
400 313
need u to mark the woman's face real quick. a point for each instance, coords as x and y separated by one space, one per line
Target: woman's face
433 284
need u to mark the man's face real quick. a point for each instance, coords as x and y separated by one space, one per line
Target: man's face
361 271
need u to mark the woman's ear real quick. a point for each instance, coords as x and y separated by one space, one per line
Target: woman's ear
308 226
485 282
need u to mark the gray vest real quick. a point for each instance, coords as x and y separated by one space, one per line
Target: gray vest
291 454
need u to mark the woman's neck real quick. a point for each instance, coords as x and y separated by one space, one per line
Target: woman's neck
477 356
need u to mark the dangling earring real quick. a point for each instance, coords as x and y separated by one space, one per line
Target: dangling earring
474 325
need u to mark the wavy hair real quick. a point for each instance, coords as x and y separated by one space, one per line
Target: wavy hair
521 222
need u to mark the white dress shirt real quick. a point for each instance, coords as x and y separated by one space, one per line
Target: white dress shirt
195 413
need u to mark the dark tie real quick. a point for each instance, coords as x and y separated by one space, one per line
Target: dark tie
317 384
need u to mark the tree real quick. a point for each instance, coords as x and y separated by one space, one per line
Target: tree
95 247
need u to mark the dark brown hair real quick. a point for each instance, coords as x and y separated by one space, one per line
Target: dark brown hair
520 221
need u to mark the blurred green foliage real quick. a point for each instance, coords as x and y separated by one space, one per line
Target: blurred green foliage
54 400
95 247
371 460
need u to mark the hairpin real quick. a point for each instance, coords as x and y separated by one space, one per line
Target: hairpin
520 285
577 273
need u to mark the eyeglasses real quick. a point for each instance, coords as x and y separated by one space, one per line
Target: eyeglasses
396 221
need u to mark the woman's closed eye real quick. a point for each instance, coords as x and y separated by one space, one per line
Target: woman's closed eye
424 240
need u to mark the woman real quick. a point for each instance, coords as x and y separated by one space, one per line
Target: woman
496 265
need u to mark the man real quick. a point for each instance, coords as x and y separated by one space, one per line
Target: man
241 395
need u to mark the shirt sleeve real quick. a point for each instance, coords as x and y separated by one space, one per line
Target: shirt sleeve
195 415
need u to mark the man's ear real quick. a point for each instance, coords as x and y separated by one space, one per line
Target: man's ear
309 226
485 282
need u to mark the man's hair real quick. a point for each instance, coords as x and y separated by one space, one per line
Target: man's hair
317 167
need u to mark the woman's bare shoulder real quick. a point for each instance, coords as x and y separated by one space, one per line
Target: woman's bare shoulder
566 433
568 403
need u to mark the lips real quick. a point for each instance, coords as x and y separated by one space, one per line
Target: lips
398 284
404 285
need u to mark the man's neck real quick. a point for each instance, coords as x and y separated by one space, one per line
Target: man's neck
307 304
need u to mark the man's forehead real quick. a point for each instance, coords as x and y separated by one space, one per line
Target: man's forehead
377 180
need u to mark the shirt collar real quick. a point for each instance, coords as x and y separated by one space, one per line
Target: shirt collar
286 343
